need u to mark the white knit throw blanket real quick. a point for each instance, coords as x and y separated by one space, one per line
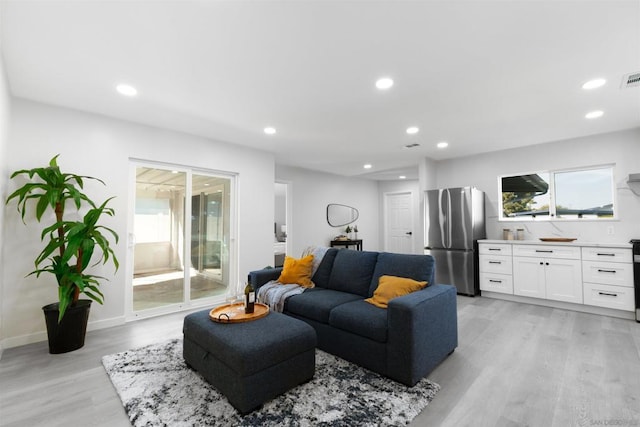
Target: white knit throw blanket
274 294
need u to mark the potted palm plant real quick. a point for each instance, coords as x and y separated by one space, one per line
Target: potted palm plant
69 247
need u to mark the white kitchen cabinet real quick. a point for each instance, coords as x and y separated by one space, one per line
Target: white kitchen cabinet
494 249
606 254
588 274
501 283
616 297
547 251
564 280
529 277
556 276
608 278
495 266
609 273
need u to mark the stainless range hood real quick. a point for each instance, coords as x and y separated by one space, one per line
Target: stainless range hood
634 183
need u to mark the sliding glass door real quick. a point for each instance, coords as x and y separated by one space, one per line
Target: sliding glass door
175 261
209 233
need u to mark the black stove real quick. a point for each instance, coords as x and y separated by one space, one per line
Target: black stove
636 274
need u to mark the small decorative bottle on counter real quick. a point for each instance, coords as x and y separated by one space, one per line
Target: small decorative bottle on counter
507 234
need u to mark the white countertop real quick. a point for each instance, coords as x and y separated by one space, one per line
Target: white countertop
574 243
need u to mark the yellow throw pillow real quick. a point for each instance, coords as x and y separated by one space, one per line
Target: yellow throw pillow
297 271
390 287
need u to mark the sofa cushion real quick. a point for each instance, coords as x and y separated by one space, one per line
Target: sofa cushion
416 267
316 303
391 287
297 271
323 272
352 271
361 318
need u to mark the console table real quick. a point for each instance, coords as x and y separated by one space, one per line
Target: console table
346 243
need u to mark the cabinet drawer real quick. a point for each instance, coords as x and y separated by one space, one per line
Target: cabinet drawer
502 283
616 297
495 264
494 249
547 251
607 254
610 273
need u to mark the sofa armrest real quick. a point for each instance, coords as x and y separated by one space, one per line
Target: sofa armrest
422 331
260 277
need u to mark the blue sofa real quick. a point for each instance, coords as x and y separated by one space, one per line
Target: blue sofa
404 342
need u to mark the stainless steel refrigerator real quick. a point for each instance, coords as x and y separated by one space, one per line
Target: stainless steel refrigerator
454 221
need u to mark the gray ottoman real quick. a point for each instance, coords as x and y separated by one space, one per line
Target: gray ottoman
250 362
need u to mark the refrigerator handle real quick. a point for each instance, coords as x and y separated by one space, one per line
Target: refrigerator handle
448 218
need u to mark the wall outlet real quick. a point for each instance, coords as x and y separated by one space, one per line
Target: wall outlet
610 230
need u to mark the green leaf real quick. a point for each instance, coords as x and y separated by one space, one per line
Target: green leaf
65 297
41 207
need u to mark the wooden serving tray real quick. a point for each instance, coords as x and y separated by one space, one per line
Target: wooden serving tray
234 313
558 239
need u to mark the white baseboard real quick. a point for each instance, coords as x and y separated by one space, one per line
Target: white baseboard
42 335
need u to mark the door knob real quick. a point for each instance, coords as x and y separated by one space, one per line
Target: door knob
408 233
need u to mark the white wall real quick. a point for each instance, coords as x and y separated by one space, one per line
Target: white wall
413 187
4 137
620 148
98 146
313 191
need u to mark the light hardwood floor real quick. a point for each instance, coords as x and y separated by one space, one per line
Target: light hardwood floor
516 365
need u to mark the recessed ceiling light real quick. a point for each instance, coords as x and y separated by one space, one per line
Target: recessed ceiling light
126 90
412 130
594 114
595 83
367 166
402 177
442 144
270 130
384 83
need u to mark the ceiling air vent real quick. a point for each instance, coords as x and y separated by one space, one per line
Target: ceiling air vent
630 80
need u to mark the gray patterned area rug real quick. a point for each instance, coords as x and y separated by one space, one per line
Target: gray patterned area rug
158 389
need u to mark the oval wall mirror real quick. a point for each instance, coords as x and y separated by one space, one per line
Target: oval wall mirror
339 215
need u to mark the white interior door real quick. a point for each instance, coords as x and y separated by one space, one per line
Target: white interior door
399 223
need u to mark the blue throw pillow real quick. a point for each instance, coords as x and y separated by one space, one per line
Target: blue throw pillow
323 273
352 271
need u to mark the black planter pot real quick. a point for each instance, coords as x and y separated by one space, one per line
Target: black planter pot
68 335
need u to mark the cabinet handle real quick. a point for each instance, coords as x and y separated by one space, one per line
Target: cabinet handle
495 249
603 254
606 271
546 251
608 294
495 262
495 281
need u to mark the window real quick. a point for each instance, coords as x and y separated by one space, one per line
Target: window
558 195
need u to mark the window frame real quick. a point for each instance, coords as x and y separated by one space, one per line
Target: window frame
552 215
232 252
